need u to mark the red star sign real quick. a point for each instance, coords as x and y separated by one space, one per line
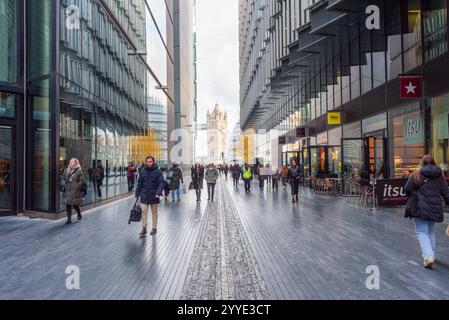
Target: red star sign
411 87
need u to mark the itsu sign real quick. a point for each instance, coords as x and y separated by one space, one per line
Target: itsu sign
391 193
411 87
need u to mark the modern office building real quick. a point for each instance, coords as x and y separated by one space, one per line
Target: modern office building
181 144
74 79
326 78
157 119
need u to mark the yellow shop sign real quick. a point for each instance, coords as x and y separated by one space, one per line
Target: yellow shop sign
334 118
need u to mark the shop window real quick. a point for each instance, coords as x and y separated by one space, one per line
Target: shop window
412 35
435 28
408 140
440 132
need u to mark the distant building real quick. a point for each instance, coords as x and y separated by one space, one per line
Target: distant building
158 121
217 127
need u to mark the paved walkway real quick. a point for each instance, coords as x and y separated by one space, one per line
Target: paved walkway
256 246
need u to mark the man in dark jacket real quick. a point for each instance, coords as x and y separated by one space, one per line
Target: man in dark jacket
175 177
236 171
197 180
149 189
429 186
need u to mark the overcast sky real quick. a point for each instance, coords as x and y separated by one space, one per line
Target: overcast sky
218 60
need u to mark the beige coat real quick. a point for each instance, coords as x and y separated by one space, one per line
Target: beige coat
72 186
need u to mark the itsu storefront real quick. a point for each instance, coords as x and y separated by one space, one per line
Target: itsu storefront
417 127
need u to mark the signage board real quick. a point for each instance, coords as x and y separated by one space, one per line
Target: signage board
391 193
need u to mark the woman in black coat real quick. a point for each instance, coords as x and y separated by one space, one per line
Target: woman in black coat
429 185
197 180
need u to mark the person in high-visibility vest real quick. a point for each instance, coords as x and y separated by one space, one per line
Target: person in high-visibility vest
246 176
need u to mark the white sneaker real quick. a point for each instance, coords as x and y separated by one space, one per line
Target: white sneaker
428 262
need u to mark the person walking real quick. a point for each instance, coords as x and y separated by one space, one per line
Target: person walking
294 177
268 173
197 179
275 180
236 172
175 178
247 176
211 179
284 176
131 172
261 176
149 188
429 186
73 181
226 171
98 178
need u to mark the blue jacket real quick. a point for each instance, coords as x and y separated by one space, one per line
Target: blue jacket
431 187
151 183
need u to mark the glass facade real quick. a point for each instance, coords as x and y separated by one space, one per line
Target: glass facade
333 62
8 40
87 89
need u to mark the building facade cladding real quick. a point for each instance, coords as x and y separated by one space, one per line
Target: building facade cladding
302 59
157 119
183 115
84 95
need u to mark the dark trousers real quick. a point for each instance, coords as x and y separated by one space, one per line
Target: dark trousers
198 194
275 183
247 185
99 190
130 184
261 182
236 181
210 191
69 211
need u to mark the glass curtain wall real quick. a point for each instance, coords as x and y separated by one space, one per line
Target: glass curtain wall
102 93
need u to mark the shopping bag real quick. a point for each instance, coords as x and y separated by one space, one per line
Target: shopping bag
184 189
191 185
447 231
136 213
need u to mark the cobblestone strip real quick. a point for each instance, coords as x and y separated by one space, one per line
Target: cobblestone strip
223 265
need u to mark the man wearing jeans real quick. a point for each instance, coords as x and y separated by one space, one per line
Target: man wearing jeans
211 179
149 189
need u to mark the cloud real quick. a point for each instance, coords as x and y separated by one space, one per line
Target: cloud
218 56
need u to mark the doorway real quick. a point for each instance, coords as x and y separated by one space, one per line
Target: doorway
6 171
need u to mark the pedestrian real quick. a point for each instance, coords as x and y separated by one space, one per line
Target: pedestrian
284 176
197 180
211 179
226 171
131 171
175 178
72 187
294 177
149 188
98 178
261 176
268 173
247 176
275 180
236 172
429 186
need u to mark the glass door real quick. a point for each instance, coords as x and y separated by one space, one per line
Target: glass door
353 156
6 170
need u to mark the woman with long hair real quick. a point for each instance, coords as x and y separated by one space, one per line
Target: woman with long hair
73 180
429 186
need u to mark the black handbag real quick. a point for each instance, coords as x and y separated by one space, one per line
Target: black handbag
411 209
136 213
